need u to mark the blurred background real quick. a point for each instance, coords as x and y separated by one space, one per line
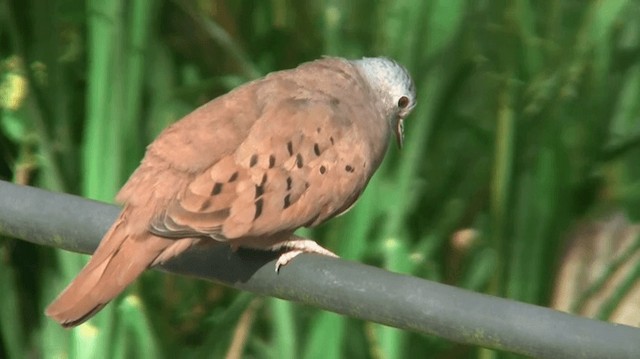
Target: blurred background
520 175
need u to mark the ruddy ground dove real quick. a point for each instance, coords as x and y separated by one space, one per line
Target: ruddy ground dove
292 149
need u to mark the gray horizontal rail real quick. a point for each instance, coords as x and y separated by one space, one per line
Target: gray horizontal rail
348 288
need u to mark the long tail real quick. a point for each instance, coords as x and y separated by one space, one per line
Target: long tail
120 258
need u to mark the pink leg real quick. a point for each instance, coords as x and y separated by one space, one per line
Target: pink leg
296 246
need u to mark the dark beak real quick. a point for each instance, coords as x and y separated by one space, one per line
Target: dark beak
400 132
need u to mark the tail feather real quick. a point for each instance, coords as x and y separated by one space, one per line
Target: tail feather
120 258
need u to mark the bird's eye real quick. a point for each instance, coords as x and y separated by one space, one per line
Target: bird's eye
403 102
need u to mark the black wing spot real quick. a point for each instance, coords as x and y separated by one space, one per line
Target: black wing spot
233 177
290 148
217 188
299 161
348 168
289 183
254 160
259 191
323 170
205 204
316 149
258 208
287 201
272 161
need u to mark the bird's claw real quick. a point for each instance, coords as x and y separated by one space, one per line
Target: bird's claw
296 247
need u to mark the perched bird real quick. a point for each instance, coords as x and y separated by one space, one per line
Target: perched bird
248 168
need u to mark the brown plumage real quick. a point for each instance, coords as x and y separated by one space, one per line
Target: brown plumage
292 149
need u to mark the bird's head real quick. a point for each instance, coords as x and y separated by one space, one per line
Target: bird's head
394 87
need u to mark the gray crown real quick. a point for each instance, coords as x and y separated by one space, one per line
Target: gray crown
391 80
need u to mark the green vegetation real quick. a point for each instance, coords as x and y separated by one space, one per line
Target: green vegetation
527 122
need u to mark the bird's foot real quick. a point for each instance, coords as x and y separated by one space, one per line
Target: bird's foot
296 247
